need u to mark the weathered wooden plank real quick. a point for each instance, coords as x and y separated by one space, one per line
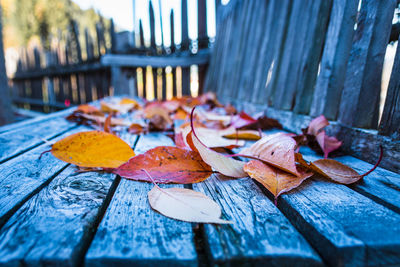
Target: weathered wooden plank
246 79
295 46
200 58
131 233
33 121
260 234
345 227
275 57
25 175
336 52
52 227
17 141
360 97
56 225
382 186
308 69
390 121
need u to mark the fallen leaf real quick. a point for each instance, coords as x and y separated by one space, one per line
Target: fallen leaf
166 164
93 149
185 205
315 133
276 150
213 138
102 120
88 109
335 170
274 179
136 128
242 119
225 165
158 118
263 123
107 124
130 101
242 134
115 107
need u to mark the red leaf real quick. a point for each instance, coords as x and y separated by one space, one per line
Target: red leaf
166 164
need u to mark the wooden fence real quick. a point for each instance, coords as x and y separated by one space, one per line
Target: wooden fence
299 59
73 73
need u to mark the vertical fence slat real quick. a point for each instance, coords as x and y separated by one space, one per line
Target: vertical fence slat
390 121
337 48
360 97
185 46
202 24
308 70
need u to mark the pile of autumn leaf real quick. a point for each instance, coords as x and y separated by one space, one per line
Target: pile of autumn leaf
204 131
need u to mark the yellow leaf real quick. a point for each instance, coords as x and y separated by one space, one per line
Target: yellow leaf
93 149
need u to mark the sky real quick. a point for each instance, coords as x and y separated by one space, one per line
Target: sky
122 13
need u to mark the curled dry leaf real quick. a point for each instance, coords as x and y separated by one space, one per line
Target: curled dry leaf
136 128
166 164
225 165
274 179
315 133
130 101
116 107
335 170
185 205
88 109
232 133
158 118
212 137
242 119
263 123
276 150
93 149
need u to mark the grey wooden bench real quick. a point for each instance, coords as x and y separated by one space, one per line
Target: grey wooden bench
52 215
293 60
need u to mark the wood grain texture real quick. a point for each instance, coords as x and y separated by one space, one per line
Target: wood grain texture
382 186
345 227
25 175
131 233
21 139
52 226
336 52
55 226
259 235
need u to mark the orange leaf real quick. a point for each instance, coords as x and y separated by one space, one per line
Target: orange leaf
88 109
275 180
93 149
107 124
115 107
137 128
225 165
242 134
102 120
166 164
276 150
130 101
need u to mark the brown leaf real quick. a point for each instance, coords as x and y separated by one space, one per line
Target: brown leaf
116 107
276 150
166 164
275 180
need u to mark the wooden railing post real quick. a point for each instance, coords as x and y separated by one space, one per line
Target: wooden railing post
185 46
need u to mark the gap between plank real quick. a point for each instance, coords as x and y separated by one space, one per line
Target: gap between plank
78 256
